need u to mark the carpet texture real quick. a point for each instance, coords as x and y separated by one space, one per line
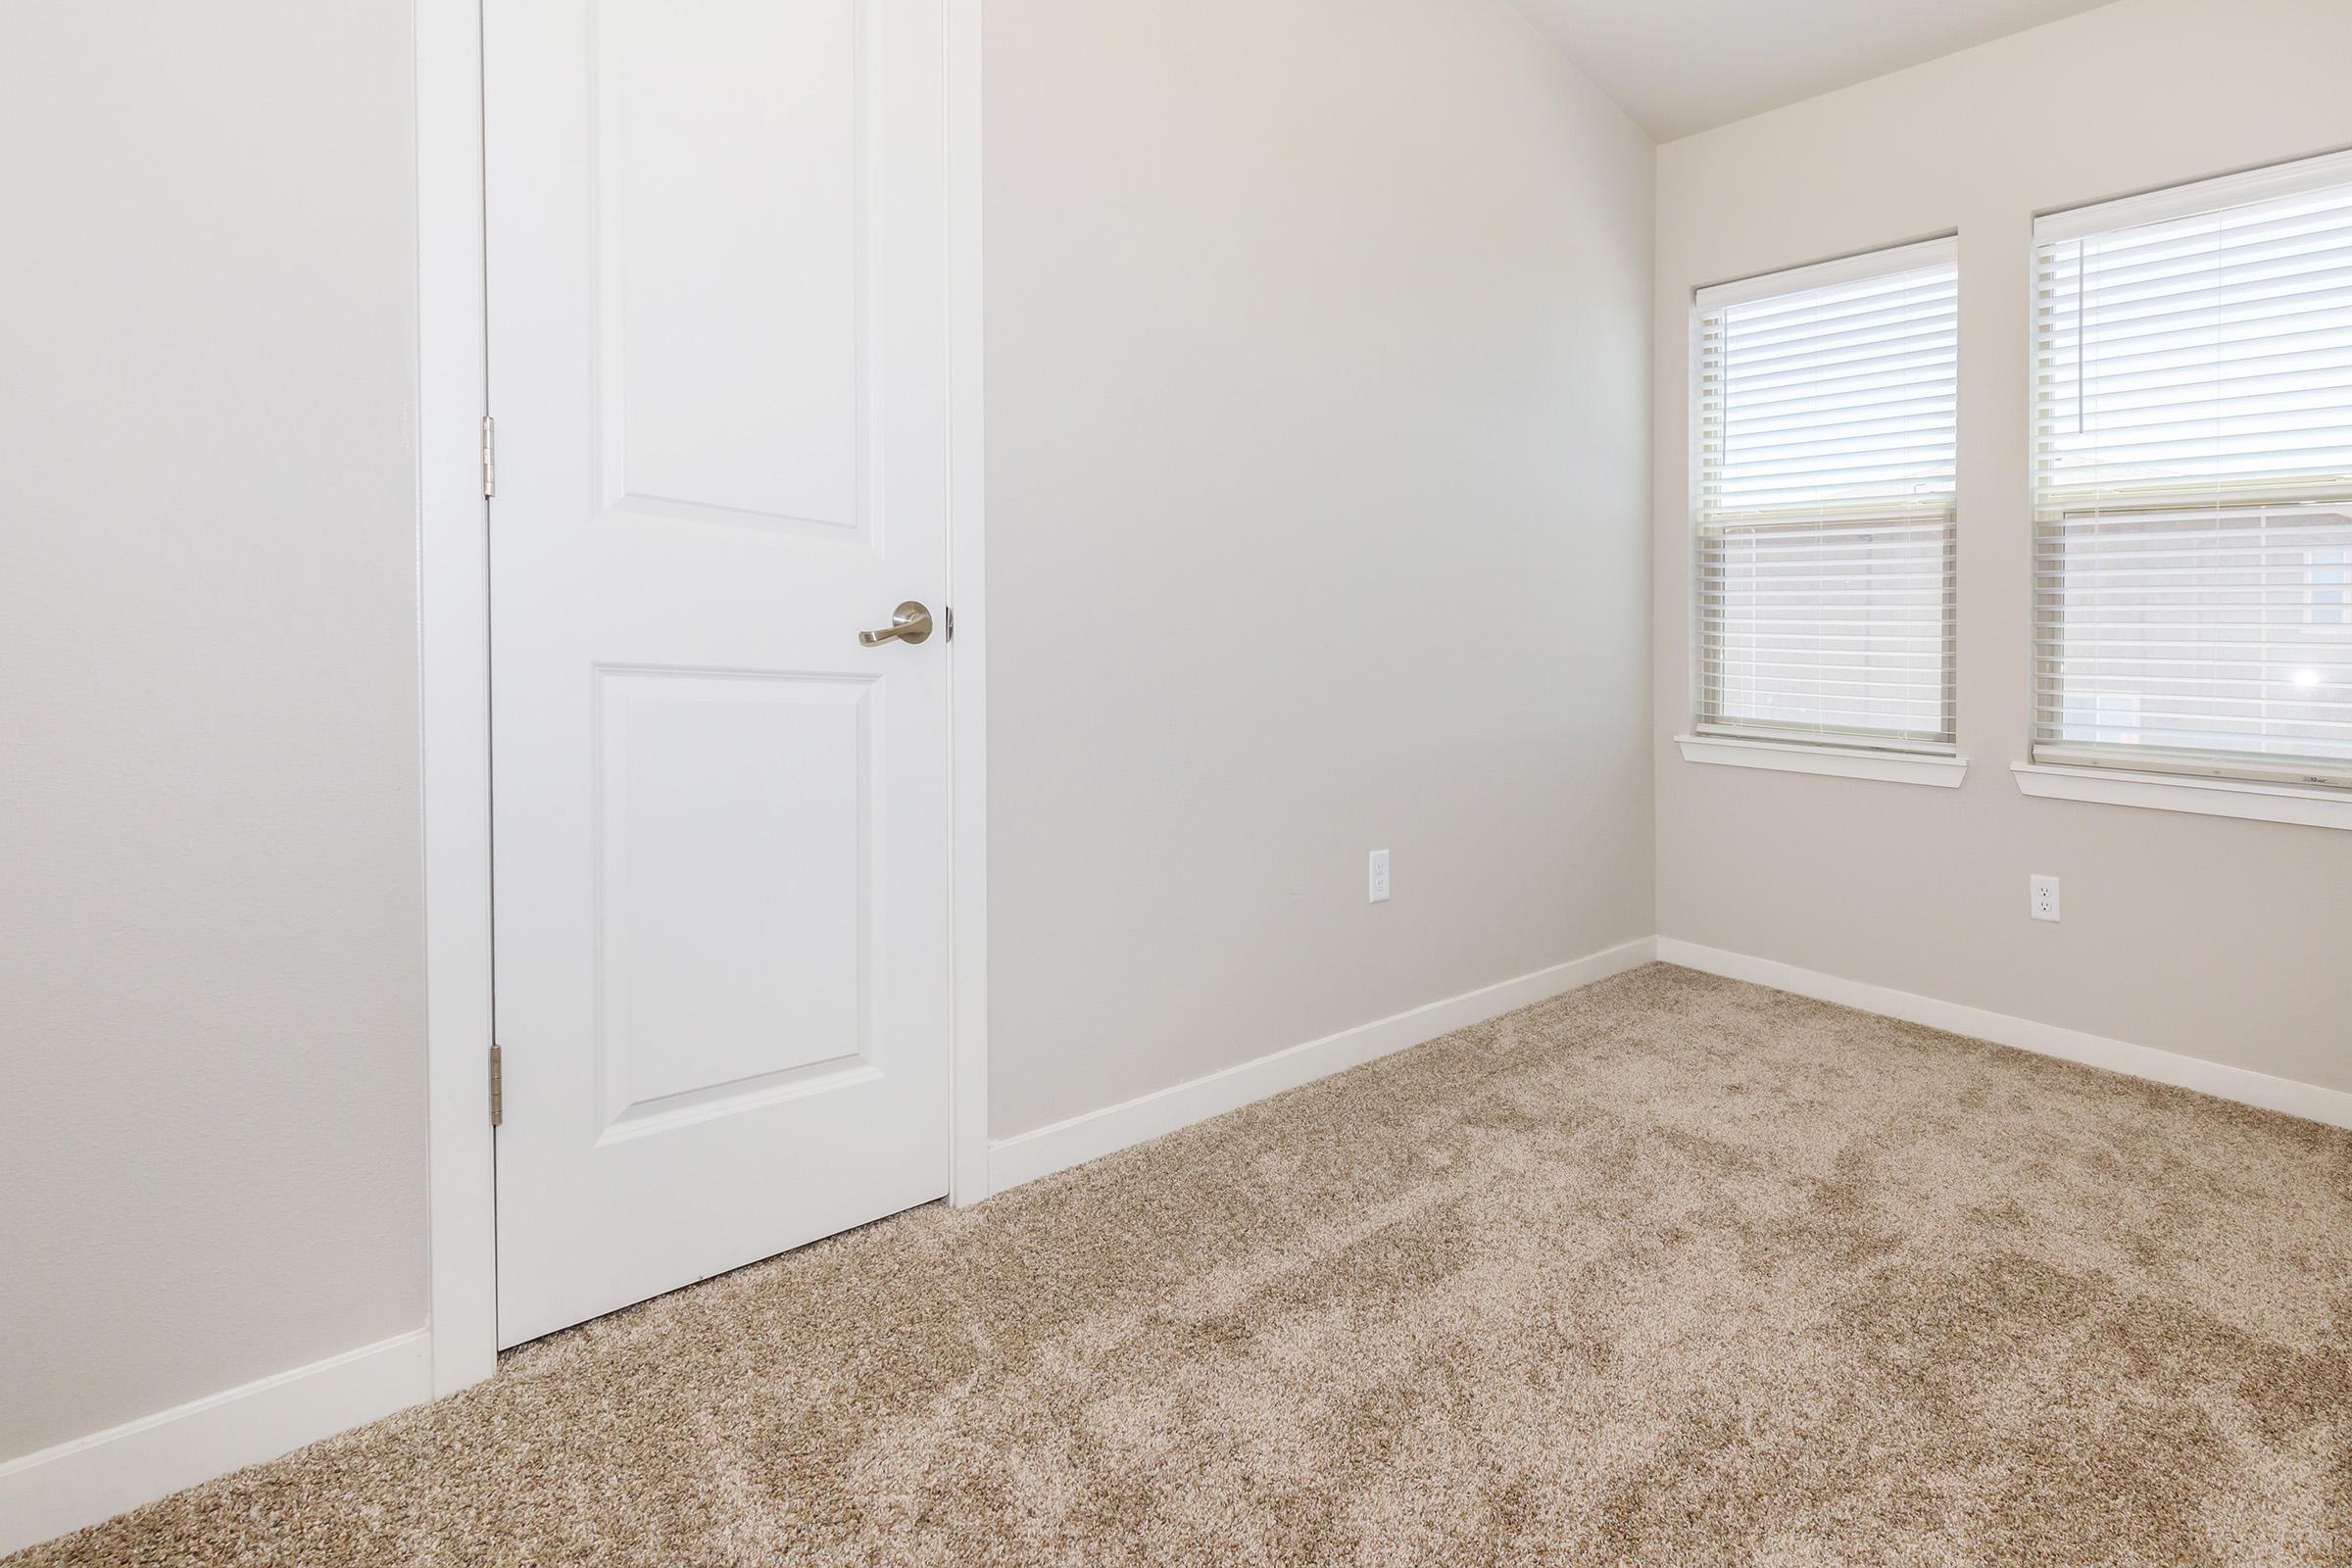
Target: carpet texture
1669 1270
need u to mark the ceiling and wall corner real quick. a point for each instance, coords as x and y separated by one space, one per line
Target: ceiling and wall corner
1680 66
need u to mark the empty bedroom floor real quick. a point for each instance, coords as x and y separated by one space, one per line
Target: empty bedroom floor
1670 1269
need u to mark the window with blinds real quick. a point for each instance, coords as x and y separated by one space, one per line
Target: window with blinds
2192 479
1823 502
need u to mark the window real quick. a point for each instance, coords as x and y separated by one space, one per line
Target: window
2192 479
1823 502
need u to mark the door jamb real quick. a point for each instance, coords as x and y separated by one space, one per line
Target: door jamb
454 668
453 633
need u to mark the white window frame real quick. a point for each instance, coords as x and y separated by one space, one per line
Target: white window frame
2250 786
1887 759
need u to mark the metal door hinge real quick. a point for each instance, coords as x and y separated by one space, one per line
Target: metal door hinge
489 456
498 1086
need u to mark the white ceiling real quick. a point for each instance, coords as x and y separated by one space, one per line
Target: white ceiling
1684 66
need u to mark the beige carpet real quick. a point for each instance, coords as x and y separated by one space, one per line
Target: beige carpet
1671 1270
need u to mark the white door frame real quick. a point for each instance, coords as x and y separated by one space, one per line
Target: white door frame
453 694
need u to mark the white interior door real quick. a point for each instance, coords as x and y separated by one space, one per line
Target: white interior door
718 366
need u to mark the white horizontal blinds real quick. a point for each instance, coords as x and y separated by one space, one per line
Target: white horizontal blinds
1825 501
2194 480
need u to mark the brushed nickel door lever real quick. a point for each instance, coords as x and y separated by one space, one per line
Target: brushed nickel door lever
910 624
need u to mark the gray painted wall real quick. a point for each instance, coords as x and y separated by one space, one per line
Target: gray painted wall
211 1067
2210 936
1317 389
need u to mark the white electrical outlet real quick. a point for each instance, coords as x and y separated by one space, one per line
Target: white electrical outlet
2044 892
1380 877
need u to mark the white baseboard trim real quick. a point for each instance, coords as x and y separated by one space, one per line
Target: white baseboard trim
2332 1107
92 1479
1014 1161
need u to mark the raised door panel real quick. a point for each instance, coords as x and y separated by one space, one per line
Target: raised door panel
730 173
734 894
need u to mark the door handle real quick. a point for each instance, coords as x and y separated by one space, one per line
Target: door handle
910 624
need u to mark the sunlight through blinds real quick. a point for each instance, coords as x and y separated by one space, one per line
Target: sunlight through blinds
2192 474
1825 501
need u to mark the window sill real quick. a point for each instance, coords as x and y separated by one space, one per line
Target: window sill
2172 791
1842 762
